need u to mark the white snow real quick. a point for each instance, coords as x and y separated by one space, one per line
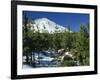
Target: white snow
25 66
47 25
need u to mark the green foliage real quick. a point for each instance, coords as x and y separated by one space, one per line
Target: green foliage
82 45
68 62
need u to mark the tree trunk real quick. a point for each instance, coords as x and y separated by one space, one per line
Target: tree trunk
27 58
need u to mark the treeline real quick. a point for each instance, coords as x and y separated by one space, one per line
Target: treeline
77 43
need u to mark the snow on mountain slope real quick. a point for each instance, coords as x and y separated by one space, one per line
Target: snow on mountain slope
44 24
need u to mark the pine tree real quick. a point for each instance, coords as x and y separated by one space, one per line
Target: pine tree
82 45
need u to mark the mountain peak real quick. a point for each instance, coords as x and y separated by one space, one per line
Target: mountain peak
48 25
42 19
46 19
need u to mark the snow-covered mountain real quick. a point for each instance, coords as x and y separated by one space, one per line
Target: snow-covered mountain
44 24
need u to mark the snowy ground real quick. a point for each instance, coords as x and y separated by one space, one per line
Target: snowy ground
25 66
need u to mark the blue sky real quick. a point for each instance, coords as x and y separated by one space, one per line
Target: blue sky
74 20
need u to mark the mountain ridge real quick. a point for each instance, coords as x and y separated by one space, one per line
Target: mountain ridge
46 24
